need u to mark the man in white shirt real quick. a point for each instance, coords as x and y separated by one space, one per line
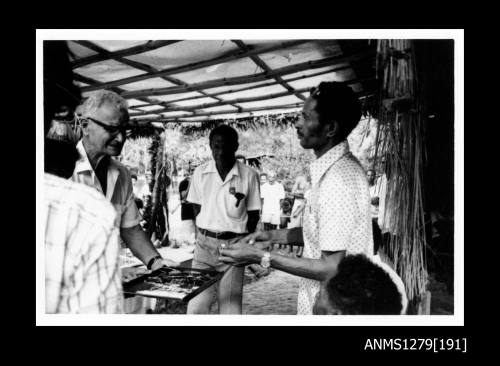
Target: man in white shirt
337 219
271 193
225 194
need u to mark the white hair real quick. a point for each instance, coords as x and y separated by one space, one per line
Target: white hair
95 100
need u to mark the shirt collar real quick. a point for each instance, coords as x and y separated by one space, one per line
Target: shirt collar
212 168
83 163
322 164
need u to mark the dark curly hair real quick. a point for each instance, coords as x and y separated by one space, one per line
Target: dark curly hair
336 101
363 288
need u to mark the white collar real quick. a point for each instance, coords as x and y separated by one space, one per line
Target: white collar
212 168
323 163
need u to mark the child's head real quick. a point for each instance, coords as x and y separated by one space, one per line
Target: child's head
360 287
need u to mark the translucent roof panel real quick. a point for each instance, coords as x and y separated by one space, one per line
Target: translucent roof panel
291 99
193 102
80 51
315 50
113 46
241 67
232 88
254 92
185 52
315 80
176 114
222 108
108 70
151 108
170 97
134 102
307 73
153 83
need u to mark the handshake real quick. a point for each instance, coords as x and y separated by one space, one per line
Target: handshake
248 250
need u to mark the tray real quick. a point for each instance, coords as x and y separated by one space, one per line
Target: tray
177 283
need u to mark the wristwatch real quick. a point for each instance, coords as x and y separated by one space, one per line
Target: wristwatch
152 261
265 261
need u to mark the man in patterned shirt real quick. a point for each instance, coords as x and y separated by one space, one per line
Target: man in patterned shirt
337 219
82 273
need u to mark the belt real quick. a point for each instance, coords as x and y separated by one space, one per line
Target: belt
223 235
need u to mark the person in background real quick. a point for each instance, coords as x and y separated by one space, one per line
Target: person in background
337 221
362 287
82 273
134 185
187 211
263 179
226 198
144 192
138 201
299 189
271 194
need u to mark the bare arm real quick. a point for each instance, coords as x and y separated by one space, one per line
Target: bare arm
320 269
196 209
253 219
292 236
138 242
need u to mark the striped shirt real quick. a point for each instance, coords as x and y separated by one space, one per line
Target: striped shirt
82 273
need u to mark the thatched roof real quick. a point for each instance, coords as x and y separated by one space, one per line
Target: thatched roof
178 81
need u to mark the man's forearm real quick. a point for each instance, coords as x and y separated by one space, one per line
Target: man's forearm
253 220
292 236
196 209
139 244
316 269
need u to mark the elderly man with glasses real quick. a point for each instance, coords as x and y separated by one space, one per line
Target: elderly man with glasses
103 117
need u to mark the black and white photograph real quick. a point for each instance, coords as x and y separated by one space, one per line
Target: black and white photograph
250 177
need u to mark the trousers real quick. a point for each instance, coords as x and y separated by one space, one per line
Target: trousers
229 290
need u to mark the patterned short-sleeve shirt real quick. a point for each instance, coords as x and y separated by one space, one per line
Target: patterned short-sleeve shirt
337 214
82 273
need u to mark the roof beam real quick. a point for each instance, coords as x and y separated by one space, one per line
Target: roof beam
330 61
106 55
242 110
137 65
145 121
238 100
90 81
218 104
272 83
196 65
266 68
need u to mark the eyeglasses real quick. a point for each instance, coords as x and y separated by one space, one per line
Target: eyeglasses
112 130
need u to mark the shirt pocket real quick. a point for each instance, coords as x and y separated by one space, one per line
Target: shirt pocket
233 210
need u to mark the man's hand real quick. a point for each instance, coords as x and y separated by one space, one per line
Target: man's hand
256 237
164 262
129 273
240 252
